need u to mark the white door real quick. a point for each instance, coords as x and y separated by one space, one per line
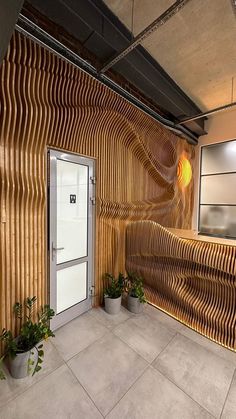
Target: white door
71 231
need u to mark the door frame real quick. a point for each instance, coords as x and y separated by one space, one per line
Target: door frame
69 314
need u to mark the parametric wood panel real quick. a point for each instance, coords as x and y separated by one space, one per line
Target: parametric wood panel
47 102
194 281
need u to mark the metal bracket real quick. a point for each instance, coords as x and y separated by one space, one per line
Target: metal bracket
93 200
93 180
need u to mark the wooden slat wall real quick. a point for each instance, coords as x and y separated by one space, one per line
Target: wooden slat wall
194 281
45 101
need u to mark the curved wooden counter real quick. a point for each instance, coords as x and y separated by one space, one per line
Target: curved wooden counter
192 280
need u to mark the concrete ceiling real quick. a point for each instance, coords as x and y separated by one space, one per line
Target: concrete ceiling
196 47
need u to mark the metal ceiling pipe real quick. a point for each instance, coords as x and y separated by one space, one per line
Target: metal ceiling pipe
30 29
207 113
159 21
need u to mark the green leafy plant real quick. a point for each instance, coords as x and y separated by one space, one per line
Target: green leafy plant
114 287
31 334
134 287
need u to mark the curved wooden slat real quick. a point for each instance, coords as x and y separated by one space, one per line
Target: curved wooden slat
193 281
46 102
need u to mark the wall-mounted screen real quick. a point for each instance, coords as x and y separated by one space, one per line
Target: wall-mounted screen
217 203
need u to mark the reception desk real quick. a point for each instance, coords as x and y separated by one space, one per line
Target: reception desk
191 277
193 235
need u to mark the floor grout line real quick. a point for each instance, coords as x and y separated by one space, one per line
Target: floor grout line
227 394
165 347
133 349
113 326
111 330
64 362
147 366
90 397
176 385
33 384
204 344
138 353
88 346
205 348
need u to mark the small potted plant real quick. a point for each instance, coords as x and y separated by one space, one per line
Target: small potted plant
136 297
25 352
112 293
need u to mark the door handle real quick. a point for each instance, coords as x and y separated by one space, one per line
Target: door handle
55 249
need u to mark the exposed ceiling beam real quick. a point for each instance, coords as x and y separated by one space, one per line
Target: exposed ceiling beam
90 29
30 29
159 21
208 113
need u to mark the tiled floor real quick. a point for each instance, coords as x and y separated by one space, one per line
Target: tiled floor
127 366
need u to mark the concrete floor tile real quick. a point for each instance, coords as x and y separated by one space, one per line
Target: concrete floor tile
57 396
77 335
201 374
146 337
110 320
210 345
107 369
12 387
163 318
154 397
229 411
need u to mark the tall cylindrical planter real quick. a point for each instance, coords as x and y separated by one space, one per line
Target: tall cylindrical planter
112 305
19 366
134 305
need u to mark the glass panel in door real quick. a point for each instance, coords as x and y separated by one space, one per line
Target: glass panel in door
72 209
71 286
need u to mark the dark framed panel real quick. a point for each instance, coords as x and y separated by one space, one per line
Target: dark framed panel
217 191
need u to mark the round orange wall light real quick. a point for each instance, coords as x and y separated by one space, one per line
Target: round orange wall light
184 172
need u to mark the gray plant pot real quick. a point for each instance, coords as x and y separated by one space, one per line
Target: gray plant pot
134 305
112 305
19 366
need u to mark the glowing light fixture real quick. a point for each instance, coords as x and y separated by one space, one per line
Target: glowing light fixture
184 171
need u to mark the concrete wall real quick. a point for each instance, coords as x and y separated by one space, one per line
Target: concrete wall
220 127
9 12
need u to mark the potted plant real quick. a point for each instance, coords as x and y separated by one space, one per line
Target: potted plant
25 352
136 297
113 292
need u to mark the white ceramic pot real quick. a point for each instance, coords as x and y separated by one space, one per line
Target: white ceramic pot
19 366
112 305
134 305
